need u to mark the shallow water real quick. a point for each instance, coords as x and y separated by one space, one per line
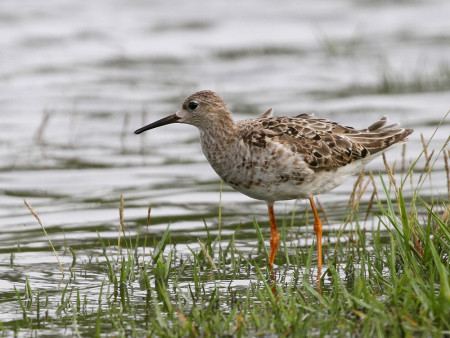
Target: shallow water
77 78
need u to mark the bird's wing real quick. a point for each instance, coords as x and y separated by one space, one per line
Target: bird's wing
321 143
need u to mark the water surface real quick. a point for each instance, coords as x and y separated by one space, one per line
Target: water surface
77 78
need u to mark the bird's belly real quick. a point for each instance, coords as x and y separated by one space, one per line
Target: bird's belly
274 192
266 181
269 187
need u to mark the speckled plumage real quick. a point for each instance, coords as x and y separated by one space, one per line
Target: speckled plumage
281 158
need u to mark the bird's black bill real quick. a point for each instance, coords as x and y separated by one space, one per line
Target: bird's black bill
166 120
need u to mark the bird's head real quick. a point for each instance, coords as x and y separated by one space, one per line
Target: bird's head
204 109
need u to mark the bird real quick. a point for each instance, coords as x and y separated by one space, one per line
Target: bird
281 158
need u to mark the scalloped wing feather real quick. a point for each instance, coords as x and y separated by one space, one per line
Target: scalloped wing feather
321 143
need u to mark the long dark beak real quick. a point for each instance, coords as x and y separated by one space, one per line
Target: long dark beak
166 120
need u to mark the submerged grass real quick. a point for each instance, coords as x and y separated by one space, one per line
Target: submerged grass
393 280
393 82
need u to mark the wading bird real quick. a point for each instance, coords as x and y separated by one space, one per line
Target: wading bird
282 158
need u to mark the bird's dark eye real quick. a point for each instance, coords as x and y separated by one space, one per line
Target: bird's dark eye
192 105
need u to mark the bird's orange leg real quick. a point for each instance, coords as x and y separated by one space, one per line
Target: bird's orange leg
274 238
318 231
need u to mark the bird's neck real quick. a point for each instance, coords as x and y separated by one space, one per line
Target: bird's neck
219 132
216 143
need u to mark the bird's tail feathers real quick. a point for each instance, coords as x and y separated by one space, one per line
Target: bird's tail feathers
379 137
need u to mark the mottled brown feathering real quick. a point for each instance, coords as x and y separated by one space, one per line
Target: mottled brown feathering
322 143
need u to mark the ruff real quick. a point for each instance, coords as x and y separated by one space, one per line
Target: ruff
282 158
